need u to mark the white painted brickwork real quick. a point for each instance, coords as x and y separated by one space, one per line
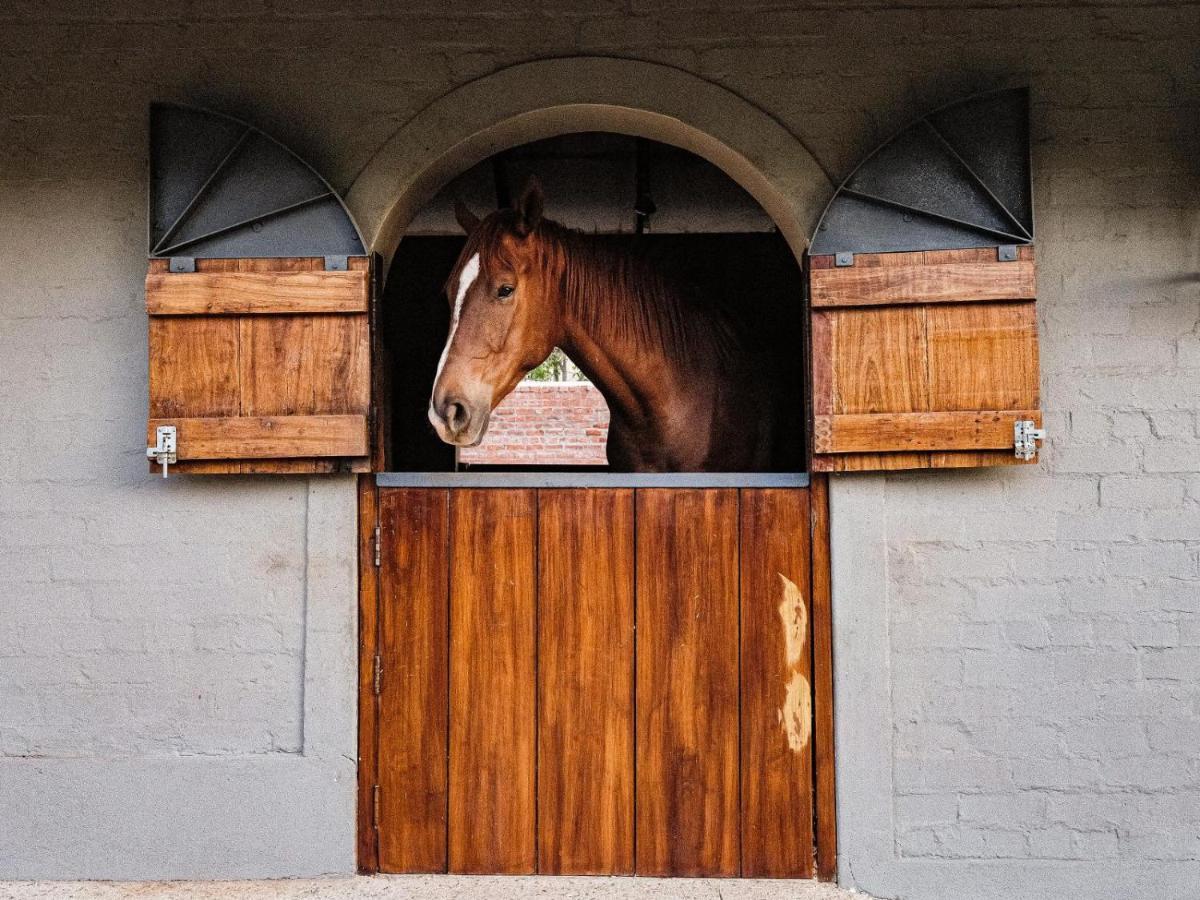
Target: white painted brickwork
1042 624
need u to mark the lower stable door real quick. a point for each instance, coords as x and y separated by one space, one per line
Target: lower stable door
595 681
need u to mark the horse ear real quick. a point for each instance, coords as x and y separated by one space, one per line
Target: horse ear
463 215
530 205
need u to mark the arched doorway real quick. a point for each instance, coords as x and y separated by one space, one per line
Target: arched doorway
712 787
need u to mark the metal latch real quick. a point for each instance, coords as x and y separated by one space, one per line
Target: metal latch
1026 434
163 451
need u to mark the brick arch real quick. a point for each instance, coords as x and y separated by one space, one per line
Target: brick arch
541 99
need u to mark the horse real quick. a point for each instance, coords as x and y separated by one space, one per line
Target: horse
687 388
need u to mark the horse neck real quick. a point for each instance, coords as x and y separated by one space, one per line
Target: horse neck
624 327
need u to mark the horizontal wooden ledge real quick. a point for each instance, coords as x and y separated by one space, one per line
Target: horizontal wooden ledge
918 431
960 282
266 437
200 293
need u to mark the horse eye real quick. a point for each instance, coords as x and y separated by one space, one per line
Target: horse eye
505 291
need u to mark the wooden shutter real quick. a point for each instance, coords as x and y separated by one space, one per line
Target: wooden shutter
261 365
922 289
259 295
923 359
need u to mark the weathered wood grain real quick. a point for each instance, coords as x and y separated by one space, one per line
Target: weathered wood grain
687 682
367 843
922 282
413 646
822 667
194 368
492 815
304 365
266 437
776 685
983 356
585 682
982 430
879 361
257 293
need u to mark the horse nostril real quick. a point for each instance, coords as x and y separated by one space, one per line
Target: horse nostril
455 415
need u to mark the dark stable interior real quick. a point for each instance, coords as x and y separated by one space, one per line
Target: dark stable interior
759 268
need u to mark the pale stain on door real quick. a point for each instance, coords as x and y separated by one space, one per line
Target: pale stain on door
795 716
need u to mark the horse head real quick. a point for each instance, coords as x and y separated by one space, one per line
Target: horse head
503 321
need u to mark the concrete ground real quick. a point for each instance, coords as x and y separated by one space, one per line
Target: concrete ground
430 887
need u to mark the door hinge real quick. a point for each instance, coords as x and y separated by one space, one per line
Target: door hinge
375 807
1026 434
378 547
378 674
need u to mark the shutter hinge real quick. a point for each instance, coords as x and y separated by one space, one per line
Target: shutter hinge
378 674
1026 434
375 807
181 264
378 547
843 259
1006 253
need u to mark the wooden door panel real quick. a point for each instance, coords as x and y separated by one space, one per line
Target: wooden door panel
687 682
585 682
492 681
525 723
776 685
413 597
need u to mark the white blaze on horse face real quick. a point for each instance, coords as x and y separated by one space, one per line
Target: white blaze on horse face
466 278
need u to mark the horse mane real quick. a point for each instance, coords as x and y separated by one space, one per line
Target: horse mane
617 290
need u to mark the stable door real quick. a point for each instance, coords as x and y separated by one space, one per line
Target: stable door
594 681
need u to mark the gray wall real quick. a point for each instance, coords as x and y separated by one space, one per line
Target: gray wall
1016 649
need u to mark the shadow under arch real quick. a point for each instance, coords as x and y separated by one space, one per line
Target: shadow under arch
535 100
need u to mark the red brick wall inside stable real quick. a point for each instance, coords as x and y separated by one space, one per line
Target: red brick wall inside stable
545 424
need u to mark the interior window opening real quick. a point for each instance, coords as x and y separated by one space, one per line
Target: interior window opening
719 362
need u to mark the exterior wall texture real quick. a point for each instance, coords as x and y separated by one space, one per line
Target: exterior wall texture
1016 649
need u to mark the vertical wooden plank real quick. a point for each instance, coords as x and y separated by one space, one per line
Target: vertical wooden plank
822 362
983 356
492 681
687 682
304 365
414 526
776 691
585 682
822 645
193 367
880 364
368 718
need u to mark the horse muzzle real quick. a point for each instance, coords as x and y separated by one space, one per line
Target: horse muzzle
459 422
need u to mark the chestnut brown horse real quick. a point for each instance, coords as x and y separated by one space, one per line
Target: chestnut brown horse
686 389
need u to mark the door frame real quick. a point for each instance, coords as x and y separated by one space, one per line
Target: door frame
369 550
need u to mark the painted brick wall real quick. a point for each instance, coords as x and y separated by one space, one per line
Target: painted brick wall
545 424
1044 623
